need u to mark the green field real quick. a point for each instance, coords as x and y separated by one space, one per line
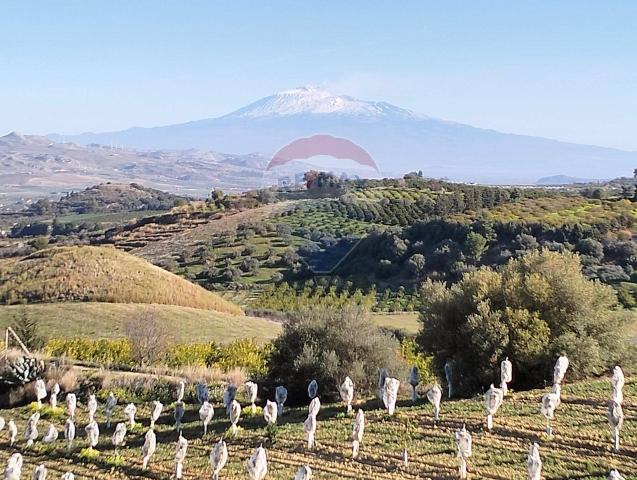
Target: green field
405 321
187 325
106 320
579 448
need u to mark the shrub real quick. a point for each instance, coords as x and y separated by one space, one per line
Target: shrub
47 412
89 454
475 245
39 243
245 353
249 265
148 338
536 307
590 247
100 351
231 274
627 294
416 264
410 352
329 344
27 329
609 273
196 354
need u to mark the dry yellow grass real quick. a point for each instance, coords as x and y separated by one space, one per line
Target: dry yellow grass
100 274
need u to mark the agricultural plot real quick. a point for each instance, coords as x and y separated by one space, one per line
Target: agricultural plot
255 259
324 216
392 193
558 211
107 218
355 213
579 447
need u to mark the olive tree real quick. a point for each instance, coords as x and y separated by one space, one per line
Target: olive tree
532 309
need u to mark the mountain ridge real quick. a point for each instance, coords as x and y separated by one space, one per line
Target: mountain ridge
398 139
32 166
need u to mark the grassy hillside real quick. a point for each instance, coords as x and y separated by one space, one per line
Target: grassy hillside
578 449
107 320
99 274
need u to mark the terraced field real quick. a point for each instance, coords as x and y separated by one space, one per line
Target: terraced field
579 448
153 247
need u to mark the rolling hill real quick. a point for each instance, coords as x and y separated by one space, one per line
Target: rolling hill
116 197
35 166
100 274
398 139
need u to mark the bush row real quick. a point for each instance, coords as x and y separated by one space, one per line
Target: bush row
244 353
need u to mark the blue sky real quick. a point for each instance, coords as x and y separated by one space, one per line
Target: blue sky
565 70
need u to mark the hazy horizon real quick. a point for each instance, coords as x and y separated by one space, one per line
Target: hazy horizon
559 71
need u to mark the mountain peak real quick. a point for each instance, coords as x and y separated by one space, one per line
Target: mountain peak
313 100
306 89
13 136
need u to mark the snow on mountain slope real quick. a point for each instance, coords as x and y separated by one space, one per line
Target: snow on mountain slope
315 100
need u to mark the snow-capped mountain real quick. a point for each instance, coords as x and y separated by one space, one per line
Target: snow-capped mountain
397 139
317 101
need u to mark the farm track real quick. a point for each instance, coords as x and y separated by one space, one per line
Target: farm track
579 449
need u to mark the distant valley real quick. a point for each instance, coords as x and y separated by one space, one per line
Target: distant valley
35 166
